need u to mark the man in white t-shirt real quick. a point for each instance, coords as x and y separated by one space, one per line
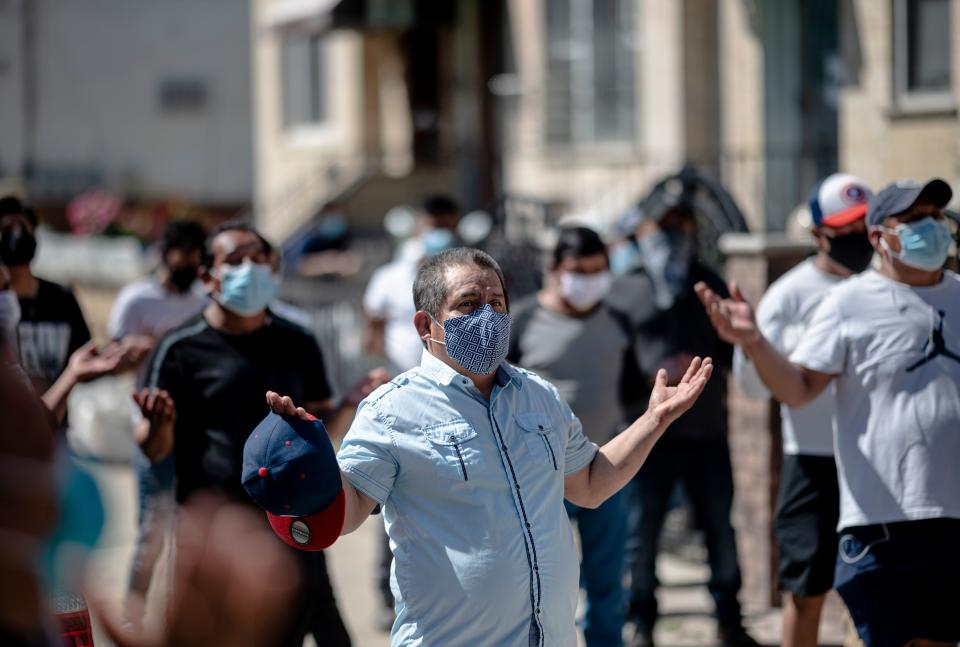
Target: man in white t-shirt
890 342
808 506
143 313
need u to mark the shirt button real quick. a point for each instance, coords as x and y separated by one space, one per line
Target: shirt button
504 447
518 487
528 525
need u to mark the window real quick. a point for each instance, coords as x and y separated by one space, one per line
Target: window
304 79
921 40
178 96
590 95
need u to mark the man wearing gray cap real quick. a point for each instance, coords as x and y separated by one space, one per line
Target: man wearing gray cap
890 342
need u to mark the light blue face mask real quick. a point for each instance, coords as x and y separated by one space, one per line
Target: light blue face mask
248 288
666 257
478 341
924 243
437 240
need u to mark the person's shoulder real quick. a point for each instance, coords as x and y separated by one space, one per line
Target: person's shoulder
951 280
139 290
47 290
286 327
183 335
523 309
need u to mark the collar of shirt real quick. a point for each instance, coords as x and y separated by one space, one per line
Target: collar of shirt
445 375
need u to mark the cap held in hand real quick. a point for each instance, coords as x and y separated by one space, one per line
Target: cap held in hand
291 471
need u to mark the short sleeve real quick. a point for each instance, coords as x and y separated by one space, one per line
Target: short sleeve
377 294
580 450
119 325
822 347
367 453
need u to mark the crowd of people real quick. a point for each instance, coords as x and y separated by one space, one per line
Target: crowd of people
493 425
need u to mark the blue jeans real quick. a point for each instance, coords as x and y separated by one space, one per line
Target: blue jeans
156 502
703 466
603 538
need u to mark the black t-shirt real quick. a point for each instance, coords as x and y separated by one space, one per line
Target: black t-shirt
218 382
658 334
51 328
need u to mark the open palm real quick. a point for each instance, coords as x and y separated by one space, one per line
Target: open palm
670 402
733 318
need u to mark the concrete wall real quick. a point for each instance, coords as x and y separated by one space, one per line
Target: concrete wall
297 169
99 64
741 108
877 142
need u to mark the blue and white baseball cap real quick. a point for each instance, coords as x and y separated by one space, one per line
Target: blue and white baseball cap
838 200
899 196
291 471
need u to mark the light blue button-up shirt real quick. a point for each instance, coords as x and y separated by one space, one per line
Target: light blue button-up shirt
472 496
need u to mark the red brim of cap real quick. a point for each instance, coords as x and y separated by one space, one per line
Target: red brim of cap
845 217
314 532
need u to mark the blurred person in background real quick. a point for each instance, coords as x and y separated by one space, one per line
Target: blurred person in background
808 507
51 323
216 544
388 314
888 340
566 335
655 302
144 312
204 387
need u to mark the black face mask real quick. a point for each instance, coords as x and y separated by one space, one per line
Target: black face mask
853 251
17 247
183 277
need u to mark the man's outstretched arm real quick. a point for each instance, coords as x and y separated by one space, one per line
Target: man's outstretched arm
619 460
735 322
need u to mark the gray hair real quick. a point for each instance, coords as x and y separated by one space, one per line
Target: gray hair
430 286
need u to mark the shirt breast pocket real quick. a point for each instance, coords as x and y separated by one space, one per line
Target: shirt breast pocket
541 437
456 454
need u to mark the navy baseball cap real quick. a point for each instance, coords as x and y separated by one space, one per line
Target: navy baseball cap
899 196
291 471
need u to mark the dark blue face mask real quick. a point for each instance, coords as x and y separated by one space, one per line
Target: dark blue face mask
478 341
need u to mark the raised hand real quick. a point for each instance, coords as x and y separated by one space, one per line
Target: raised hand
670 402
154 433
733 318
87 363
283 405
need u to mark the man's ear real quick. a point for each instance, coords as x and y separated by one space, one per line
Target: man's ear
422 321
204 273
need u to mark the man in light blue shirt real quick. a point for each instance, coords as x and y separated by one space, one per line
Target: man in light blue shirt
471 459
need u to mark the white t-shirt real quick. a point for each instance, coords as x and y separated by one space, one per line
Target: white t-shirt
782 315
389 296
896 352
147 308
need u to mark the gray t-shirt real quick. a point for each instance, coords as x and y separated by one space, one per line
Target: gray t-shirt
581 356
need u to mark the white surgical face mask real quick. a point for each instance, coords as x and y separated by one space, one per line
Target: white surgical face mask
584 291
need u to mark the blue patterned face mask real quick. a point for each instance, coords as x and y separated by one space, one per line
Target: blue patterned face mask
478 341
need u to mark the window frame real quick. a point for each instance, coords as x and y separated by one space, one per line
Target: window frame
905 100
583 134
318 127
